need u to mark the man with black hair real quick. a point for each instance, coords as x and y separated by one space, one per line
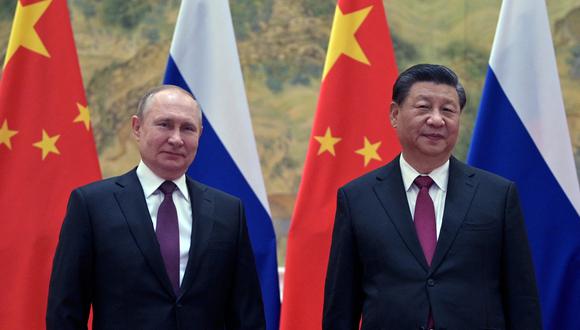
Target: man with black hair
428 242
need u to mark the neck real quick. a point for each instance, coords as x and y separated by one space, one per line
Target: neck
424 165
164 174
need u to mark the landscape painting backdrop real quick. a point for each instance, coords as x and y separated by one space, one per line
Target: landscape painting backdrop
123 47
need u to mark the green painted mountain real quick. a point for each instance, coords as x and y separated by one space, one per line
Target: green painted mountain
123 47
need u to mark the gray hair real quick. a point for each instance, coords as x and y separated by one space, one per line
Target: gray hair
146 98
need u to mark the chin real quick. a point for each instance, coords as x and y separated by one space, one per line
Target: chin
174 168
435 148
435 152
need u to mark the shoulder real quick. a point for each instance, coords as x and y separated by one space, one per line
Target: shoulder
105 184
390 171
211 192
221 207
483 177
109 185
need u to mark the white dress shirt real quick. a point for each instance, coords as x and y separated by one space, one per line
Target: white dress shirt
438 191
150 183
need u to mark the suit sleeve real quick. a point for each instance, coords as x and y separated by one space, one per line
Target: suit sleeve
70 295
343 290
519 290
246 310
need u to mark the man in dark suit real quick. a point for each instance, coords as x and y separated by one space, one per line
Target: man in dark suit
428 242
153 249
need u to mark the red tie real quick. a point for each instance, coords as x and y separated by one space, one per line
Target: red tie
425 218
425 224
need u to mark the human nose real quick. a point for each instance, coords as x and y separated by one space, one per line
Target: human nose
436 119
175 138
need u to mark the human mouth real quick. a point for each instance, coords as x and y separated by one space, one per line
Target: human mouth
434 136
173 153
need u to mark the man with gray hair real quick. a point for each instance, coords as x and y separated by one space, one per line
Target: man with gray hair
154 249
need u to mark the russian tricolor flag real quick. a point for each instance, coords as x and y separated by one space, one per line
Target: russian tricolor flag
521 133
204 60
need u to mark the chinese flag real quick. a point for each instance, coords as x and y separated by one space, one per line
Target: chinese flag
46 150
351 135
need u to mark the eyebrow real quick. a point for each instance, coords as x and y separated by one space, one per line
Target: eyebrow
421 97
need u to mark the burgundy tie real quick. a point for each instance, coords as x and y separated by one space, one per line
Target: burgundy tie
425 224
425 217
168 233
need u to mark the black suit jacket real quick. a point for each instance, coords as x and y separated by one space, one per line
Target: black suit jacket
481 275
108 256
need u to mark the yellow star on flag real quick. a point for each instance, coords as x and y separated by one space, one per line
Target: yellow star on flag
23 33
369 151
327 142
84 116
47 144
342 38
6 134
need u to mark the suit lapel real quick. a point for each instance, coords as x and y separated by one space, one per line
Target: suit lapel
460 191
391 193
132 202
202 207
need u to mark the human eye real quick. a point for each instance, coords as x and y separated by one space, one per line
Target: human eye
163 124
422 106
190 128
450 109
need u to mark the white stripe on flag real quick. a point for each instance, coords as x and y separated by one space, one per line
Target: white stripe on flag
204 46
533 87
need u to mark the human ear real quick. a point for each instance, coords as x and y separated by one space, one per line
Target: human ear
394 112
136 127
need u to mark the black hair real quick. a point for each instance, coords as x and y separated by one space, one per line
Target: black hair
438 74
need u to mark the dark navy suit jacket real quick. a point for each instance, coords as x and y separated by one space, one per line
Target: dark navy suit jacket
481 275
108 257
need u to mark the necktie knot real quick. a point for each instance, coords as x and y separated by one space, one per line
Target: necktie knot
423 182
167 187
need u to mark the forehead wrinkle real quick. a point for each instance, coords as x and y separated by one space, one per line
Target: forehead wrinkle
174 117
166 108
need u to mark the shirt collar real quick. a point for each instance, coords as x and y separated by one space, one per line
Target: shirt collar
440 175
151 181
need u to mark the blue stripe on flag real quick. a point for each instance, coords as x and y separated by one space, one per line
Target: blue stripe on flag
215 167
501 144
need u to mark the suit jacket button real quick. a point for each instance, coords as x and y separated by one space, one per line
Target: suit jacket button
431 282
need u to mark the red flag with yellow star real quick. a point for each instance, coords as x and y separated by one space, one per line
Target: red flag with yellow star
46 149
351 135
